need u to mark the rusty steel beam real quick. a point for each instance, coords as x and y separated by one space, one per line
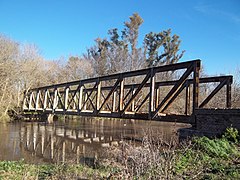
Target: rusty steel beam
142 103
173 90
164 83
88 97
170 83
181 87
109 94
215 91
171 67
136 92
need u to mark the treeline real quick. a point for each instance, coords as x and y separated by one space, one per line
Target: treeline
22 67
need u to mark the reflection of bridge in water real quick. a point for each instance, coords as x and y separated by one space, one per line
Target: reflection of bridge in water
85 139
60 144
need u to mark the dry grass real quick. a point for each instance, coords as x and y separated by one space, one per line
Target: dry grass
153 158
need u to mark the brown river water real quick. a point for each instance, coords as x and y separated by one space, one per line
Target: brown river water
75 140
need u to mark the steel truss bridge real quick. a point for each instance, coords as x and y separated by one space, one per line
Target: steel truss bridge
147 94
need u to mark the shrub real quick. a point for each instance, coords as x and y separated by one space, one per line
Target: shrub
231 134
216 147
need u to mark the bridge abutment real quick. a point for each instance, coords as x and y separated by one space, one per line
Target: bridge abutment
217 120
212 122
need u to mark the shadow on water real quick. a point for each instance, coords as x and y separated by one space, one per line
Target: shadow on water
77 141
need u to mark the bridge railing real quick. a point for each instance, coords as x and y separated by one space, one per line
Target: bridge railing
134 94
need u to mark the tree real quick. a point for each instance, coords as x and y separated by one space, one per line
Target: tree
54 71
155 42
111 55
21 68
77 68
119 52
131 34
236 89
8 69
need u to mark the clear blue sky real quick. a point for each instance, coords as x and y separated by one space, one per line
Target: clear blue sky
209 29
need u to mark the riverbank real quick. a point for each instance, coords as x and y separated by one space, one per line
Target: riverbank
201 158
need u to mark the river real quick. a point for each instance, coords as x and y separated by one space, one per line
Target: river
76 140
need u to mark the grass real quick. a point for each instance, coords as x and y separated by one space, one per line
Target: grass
20 170
209 159
201 158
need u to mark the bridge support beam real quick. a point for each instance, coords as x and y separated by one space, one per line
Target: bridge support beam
49 118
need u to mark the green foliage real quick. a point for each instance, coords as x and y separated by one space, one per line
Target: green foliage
184 160
120 51
208 159
12 166
216 147
45 171
231 134
162 40
21 170
12 169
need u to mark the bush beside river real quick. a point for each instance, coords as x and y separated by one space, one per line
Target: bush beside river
200 158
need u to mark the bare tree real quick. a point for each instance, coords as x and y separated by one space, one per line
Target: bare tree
21 68
236 89
8 54
77 68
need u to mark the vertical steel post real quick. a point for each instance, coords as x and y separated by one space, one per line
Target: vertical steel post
45 99
157 96
151 107
133 102
80 98
30 101
196 68
114 101
98 97
121 94
187 100
37 100
66 99
229 94
85 99
55 100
